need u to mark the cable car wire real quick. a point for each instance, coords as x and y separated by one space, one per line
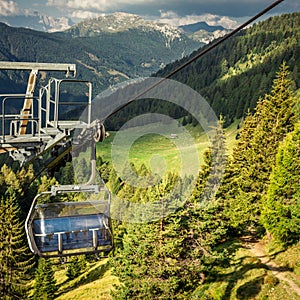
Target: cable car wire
200 54
188 62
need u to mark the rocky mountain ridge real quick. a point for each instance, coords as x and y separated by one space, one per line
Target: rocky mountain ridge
114 23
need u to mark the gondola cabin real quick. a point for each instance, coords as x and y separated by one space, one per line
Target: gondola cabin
59 229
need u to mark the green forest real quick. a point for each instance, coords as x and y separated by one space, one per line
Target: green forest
233 76
138 53
181 255
207 247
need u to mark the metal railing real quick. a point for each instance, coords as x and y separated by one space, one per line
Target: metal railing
49 110
11 122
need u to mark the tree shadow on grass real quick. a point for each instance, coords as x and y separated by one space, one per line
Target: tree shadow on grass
241 267
244 265
87 277
250 289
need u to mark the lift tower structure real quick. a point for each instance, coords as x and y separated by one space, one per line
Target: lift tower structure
37 127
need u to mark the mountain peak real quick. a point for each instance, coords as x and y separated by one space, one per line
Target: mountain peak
115 22
203 32
121 22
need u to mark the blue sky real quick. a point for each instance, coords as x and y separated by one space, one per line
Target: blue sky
177 12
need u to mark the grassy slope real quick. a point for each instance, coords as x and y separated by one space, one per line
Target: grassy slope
245 278
145 147
95 283
248 278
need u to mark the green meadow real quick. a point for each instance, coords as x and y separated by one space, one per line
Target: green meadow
167 151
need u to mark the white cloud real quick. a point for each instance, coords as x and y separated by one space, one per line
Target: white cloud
227 22
80 14
172 18
168 14
96 5
85 5
82 9
8 8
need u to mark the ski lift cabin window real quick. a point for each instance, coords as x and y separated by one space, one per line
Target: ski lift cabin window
69 228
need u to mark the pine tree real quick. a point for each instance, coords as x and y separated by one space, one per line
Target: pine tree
46 183
281 209
76 266
66 174
45 284
255 153
154 264
114 182
210 176
16 262
166 259
81 169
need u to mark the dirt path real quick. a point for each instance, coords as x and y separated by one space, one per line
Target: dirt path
256 247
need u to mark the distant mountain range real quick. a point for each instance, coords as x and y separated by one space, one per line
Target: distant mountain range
116 22
111 49
124 22
119 22
192 28
107 50
37 21
233 76
203 32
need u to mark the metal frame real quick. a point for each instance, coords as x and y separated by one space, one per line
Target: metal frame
68 189
58 67
25 143
46 128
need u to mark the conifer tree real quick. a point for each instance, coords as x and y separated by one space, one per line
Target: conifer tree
155 262
46 183
255 153
45 283
166 259
211 173
114 182
16 262
76 266
66 174
281 209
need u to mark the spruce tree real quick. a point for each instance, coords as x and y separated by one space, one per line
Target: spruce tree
281 205
114 182
255 153
16 262
168 258
45 283
66 174
211 173
157 261
76 266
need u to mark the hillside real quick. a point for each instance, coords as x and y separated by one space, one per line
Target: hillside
234 75
203 32
231 231
105 58
253 273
